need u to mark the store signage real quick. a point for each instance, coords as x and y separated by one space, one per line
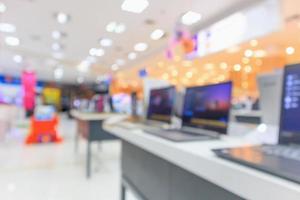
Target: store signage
239 27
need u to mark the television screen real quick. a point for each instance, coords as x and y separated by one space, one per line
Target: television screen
290 109
208 107
161 104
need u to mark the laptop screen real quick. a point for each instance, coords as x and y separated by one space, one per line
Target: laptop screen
208 107
161 104
290 108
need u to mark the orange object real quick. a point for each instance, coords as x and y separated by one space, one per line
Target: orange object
43 131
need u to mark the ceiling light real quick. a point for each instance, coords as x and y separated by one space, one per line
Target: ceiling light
2 7
157 34
237 67
80 79
190 18
58 73
18 59
135 6
7 28
105 42
248 53
62 18
84 66
111 27
248 69
96 52
56 47
120 28
290 50
115 27
189 74
245 60
140 46
132 56
120 62
114 67
12 41
57 35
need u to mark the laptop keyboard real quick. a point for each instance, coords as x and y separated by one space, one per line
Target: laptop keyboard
176 135
290 152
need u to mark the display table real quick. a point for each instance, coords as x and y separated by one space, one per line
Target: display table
155 168
89 126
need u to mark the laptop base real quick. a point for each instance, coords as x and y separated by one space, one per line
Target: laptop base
256 158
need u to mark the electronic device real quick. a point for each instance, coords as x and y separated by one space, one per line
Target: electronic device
270 87
161 103
283 159
205 114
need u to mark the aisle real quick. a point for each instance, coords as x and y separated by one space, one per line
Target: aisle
55 172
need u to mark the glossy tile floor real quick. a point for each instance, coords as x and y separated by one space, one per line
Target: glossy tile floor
55 171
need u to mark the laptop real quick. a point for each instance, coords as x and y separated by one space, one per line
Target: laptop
205 114
282 159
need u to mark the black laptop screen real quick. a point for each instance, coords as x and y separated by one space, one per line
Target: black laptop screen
161 104
208 107
290 109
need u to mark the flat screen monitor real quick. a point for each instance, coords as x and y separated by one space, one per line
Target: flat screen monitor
161 104
290 106
207 107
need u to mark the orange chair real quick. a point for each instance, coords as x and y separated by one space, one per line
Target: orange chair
43 131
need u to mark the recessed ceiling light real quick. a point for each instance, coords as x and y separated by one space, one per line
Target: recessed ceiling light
135 6
120 62
18 59
62 18
237 67
57 35
105 42
120 28
7 28
157 34
12 41
58 73
248 53
290 50
111 27
84 66
114 67
115 27
140 46
56 47
2 7
190 18
96 52
132 56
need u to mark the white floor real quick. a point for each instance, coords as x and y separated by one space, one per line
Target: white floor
55 171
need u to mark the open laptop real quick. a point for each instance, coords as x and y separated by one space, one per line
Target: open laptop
283 159
205 114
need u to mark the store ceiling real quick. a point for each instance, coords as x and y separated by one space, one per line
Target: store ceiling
35 21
